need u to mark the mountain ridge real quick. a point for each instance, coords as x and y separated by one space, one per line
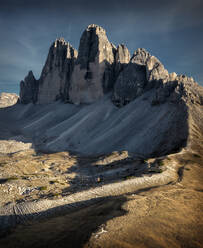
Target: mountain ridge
97 68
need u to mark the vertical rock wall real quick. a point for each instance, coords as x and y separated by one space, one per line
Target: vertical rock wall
55 76
93 71
98 67
28 89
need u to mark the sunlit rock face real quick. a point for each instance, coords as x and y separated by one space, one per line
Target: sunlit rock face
93 71
122 58
28 89
55 77
155 70
178 88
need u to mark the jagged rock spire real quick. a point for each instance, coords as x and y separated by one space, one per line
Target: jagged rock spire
28 89
55 76
93 71
97 68
122 58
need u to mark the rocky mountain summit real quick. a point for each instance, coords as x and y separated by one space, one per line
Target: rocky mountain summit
93 70
54 81
98 68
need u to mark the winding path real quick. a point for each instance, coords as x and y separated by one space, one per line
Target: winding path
14 214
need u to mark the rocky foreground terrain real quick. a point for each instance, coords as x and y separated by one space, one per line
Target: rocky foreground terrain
103 150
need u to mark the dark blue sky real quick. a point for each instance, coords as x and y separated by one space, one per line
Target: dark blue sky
171 30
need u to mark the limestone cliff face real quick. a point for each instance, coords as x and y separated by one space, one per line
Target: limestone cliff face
55 77
155 70
122 58
178 88
141 74
28 89
98 68
145 72
93 73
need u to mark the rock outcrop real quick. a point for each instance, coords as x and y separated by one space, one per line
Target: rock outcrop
155 70
29 89
55 77
93 73
122 58
179 88
98 68
141 74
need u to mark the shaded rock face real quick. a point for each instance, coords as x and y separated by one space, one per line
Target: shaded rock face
55 77
130 84
145 72
141 74
132 80
93 71
179 89
28 89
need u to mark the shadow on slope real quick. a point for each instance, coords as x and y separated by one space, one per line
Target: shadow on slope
101 127
67 230
91 172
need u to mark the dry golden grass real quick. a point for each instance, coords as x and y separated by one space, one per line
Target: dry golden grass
167 216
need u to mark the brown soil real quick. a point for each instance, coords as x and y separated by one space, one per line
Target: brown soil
167 216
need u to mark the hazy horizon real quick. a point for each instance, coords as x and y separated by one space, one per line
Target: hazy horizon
171 31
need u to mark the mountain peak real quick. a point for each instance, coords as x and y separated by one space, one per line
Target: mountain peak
140 56
95 27
93 71
60 41
30 75
97 68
